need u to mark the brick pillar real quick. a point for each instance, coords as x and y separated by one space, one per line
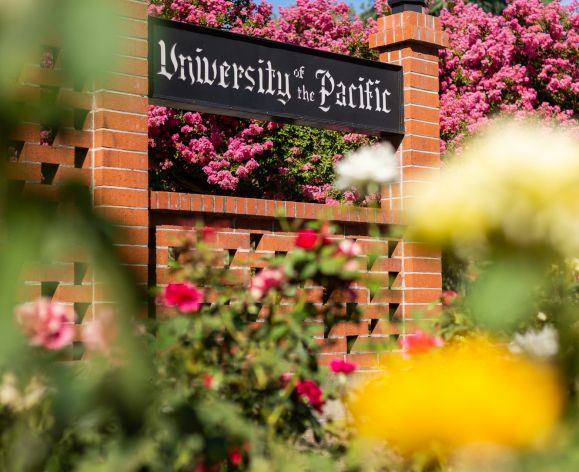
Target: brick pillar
412 39
120 151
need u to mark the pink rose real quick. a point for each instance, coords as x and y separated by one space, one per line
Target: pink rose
285 378
420 342
349 247
351 266
207 380
183 295
264 281
100 335
340 366
448 297
46 324
310 390
307 239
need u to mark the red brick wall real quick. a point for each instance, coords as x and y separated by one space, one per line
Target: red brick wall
249 232
108 151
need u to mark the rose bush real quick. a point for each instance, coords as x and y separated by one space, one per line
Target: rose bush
258 345
231 376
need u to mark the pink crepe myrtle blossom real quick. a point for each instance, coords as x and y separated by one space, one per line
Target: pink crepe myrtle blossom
311 392
264 281
420 342
521 62
331 202
47 60
46 323
185 296
341 366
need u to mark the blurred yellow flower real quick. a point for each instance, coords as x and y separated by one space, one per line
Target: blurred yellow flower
517 181
467 393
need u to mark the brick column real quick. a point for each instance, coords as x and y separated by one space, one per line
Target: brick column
411 38
120 150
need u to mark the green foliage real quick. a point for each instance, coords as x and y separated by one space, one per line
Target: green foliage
282 171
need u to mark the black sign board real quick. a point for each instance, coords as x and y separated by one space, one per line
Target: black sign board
210 70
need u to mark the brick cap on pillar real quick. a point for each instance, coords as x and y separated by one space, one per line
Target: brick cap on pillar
399 6
408 26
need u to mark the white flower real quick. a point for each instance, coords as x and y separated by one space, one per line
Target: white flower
541 344
9 393
12 397
370 165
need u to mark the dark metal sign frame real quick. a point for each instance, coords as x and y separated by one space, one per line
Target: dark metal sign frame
370 115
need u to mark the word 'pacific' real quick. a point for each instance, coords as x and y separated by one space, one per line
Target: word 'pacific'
198 69
364 95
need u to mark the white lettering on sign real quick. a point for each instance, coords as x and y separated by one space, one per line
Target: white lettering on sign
202 71
264 78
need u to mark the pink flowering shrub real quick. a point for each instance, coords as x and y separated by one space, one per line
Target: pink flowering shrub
524 61
323 24
198 152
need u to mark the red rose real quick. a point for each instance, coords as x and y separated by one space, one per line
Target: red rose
208 234
307 239
420 342
207 381
341 366
448 297
184 295
235 456
310 390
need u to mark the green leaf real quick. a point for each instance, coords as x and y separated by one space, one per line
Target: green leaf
331 266
309 270
278 332
505 294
